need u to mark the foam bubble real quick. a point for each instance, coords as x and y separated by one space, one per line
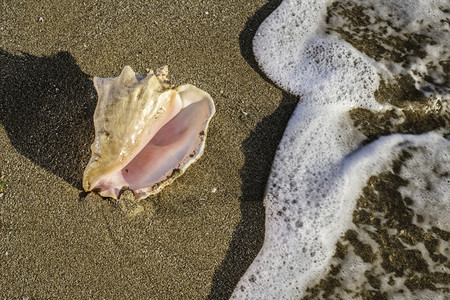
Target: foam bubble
387 250
320 168
401 37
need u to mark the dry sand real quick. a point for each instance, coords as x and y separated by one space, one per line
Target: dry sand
195 239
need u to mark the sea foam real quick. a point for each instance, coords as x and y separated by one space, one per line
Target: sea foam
326 162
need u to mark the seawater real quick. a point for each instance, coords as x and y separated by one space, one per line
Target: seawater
358 200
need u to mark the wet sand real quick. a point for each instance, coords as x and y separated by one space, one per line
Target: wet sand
196 238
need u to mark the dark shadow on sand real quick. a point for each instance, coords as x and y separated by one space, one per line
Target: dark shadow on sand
259 150
46 107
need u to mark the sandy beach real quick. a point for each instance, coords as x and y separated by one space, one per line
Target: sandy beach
197 237
356 196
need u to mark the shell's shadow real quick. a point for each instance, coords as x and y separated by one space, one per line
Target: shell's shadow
259 150
46 107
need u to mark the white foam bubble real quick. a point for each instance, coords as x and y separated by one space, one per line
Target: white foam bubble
427 160
424 24
429 187
315 179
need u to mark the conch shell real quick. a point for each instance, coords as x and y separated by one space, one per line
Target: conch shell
146 133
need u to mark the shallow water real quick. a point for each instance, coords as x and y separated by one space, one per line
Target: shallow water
357 201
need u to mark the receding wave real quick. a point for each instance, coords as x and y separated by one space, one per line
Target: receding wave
357 201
